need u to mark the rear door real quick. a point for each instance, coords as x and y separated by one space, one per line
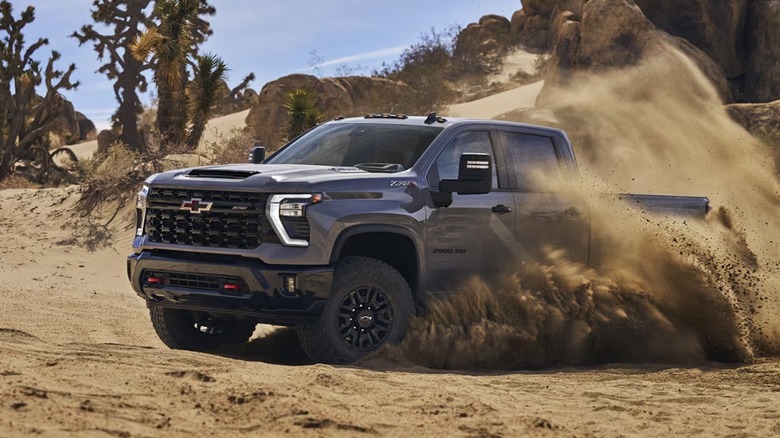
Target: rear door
475 234
549 217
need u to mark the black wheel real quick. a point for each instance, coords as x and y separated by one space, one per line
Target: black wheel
369 306
198 331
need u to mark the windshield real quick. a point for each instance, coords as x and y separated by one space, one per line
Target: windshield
380 147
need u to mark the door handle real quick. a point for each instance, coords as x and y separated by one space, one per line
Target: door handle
501 209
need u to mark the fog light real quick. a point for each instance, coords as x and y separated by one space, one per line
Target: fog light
289 283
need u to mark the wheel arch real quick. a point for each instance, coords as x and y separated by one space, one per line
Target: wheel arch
373 240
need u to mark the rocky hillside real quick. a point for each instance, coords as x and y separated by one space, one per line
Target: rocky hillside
741 37
735 43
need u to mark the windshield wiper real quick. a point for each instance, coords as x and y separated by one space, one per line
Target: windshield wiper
380 167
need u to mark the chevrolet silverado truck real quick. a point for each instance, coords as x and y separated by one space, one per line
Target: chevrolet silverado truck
347 230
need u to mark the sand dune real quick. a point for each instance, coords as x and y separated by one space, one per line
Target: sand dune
493 106
215 126
79 356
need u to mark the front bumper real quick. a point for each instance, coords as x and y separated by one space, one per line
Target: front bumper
195 282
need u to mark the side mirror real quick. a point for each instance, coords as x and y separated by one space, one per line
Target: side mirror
257 154
475 176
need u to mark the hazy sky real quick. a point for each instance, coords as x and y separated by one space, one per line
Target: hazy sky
271 38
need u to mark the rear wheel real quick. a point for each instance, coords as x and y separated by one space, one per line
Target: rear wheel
370 306
198 331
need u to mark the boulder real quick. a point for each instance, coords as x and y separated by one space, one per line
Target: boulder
760 119
762 78
491 33
66 127
105 139
87 129
716 27
344 96
613 34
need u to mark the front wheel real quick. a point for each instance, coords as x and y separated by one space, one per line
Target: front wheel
198 331
370 306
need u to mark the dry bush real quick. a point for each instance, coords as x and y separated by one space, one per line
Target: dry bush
17 182
230 147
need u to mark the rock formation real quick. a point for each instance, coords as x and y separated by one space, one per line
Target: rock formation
762 78
739 37
345 96
491 33
614 34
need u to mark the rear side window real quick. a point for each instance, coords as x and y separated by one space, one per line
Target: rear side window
534 160
446 166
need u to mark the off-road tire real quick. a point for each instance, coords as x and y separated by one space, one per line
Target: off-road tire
323 342
176 328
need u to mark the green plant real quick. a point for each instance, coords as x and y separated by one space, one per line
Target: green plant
171 43
202 95
302 112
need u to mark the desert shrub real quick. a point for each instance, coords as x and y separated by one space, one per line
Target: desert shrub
434 69
426 67
230 147
17 182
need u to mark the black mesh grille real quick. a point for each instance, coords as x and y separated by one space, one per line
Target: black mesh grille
218 219
203 282
296 227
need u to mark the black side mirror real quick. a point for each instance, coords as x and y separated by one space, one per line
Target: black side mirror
257 154
475 176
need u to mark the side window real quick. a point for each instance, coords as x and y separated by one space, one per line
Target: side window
534 160
446 166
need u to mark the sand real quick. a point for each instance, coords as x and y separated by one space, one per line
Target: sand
79 356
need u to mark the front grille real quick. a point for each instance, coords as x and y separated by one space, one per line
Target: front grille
225 219
296 227
202 282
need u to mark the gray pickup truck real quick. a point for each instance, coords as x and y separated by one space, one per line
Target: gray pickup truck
346 231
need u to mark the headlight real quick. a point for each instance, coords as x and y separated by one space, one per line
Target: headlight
140 214
141 198
292 205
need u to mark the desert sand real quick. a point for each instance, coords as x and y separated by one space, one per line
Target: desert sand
79 356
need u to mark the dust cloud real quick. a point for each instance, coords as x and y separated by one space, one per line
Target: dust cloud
658 289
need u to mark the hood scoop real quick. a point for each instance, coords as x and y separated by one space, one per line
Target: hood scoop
222 173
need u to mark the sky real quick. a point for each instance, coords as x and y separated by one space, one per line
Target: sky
271 38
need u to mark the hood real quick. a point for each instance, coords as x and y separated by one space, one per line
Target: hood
276 177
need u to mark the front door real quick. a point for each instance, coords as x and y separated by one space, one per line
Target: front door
474 235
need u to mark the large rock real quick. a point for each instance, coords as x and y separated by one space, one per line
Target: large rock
105 139
490 34
717 27
346 96
760 119
762 79
87 129
533 25
613 34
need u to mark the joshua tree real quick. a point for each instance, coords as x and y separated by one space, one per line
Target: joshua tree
173 42
127 19
202 95
302 112
25 117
